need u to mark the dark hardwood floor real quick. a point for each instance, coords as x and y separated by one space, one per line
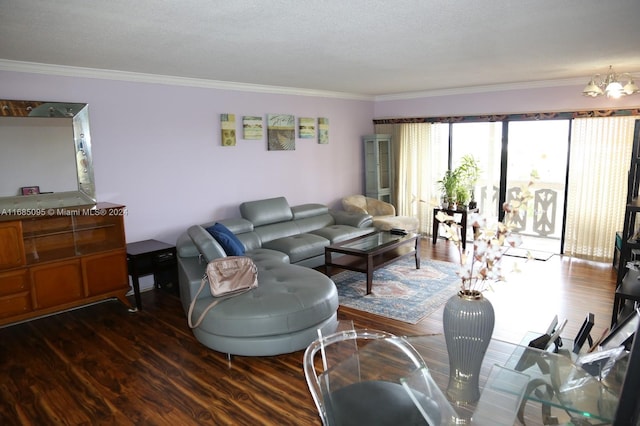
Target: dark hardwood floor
103 365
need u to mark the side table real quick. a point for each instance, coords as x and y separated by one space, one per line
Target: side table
152 257
629 289
463 223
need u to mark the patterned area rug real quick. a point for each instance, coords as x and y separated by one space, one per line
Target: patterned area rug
400 291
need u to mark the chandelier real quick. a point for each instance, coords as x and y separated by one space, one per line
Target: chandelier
610 85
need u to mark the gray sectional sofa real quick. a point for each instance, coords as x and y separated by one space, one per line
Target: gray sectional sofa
292 300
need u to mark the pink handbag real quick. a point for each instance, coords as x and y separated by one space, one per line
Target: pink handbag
228 276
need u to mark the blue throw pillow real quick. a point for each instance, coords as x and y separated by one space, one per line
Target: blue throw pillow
227 239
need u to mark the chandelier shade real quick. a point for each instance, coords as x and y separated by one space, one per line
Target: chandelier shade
611 85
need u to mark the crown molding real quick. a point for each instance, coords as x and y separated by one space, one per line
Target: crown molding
105 74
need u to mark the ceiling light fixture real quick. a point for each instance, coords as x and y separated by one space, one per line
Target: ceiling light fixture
610 85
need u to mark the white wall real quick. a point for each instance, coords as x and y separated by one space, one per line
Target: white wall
156 149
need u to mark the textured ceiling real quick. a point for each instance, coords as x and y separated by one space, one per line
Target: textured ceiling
366 47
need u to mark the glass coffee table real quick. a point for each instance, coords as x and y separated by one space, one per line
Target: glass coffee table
370 252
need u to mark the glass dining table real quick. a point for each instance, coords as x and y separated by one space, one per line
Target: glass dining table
557 390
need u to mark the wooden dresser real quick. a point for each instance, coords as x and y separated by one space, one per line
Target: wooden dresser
56 259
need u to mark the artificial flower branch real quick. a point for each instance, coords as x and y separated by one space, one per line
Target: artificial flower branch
481 265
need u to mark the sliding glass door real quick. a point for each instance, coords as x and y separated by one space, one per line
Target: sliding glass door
507 154
540 146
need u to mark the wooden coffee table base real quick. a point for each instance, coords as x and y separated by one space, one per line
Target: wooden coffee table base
367 261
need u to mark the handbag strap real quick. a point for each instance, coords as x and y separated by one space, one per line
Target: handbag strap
193 304
211 305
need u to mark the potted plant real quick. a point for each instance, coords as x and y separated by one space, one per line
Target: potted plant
449 185
462 197
468 172
457 184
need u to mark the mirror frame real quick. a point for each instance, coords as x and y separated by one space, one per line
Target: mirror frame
29 205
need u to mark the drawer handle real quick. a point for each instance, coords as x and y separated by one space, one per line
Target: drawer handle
165 256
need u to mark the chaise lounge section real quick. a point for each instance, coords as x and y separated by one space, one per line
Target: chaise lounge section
383 214
292 300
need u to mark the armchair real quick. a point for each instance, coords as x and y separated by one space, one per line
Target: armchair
384 214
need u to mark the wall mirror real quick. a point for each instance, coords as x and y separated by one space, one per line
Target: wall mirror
45 160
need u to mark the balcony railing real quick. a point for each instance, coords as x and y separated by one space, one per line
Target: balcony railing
543 215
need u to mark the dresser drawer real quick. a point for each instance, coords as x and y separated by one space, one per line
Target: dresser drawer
14 282
15 304
11 245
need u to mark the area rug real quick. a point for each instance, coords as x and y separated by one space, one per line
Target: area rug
524 253
400 291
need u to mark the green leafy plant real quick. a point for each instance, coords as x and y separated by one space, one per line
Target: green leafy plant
468 171
462 195
449 185
457 185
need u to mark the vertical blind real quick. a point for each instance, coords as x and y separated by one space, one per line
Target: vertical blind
597 191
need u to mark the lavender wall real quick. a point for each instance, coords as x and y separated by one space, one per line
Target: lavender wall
157 149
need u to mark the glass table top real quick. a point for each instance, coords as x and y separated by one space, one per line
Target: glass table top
554 378
373 241
560 382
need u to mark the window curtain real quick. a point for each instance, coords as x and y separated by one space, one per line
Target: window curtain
420 152
597 192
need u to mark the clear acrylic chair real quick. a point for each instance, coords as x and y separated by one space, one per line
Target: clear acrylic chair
354 377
